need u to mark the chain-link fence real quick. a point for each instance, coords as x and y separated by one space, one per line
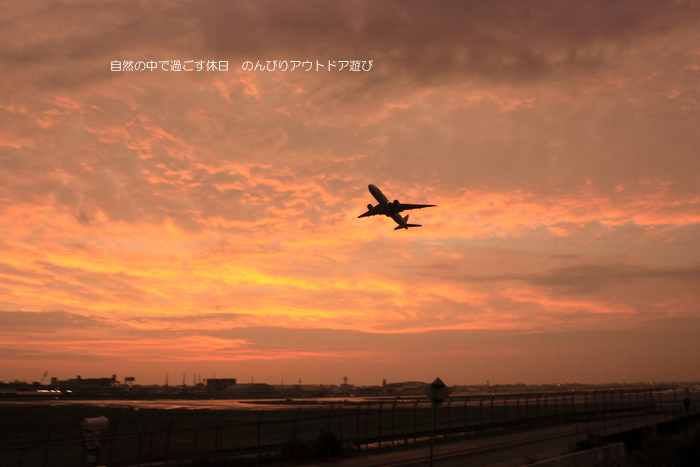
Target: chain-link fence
326 431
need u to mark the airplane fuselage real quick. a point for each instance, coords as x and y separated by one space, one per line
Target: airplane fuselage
391 209
378 195
383 200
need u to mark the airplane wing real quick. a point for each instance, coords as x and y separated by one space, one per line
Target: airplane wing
406 207
388 209
375 211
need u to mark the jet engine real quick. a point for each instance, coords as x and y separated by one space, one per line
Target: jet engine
396 201
369 206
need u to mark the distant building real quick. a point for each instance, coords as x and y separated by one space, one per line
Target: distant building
406 388
253 391
220 384
87 382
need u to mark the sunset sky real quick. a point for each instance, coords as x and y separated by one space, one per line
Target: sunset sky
205 222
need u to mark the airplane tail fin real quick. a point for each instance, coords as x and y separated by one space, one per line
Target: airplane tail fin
406 225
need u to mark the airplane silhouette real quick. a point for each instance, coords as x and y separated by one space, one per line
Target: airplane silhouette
391 209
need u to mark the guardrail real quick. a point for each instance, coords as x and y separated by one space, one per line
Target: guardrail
322 432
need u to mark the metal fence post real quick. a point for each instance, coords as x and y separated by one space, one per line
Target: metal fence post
433 407
622 402
646 406
111 443
259 427
167 442
466 421
357 425
406 433
22 448
150 443
46 446
340 422
555 402
612 403
140 443
595 403
367 426
527 409
561 411
327 418
605 417
675 402
194 437
415 422
449 418
622 410
393 410
481 413
647 400
379 425
294 433
218 438
572 409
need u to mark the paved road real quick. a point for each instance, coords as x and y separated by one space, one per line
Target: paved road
506 450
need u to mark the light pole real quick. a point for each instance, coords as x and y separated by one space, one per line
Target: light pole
437 392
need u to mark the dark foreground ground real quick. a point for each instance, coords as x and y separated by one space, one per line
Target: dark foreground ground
666 446
51 435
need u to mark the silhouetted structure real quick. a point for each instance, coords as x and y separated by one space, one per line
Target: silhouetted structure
253 391
220 384
79 382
